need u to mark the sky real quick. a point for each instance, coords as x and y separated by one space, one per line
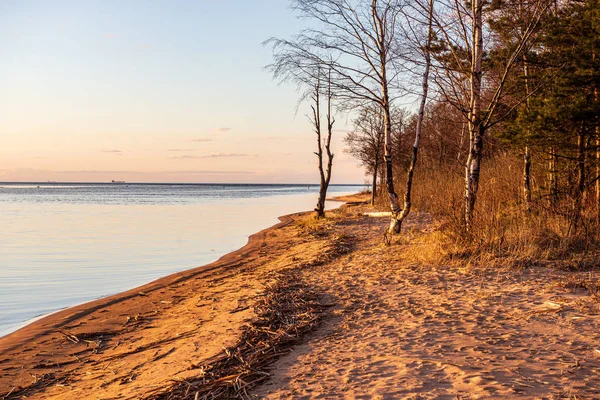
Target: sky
152 91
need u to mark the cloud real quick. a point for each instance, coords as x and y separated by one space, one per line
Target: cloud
222 155
219 155
184 157
276 138
115 152
203 139
180 150
97 172
225 129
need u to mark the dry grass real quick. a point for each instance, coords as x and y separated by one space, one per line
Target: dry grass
503 231
312 226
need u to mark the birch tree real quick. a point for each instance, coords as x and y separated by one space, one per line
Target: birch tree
358 42
426 52
466 82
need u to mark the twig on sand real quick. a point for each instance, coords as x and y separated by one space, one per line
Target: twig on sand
289 310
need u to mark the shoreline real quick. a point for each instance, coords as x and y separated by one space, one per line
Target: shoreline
50 347
15 325
44 324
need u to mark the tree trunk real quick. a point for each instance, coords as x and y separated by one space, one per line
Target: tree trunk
527 158
325 174
476 128
580 189
527 179
374 185
597 134
553 184
462 141
394 204
415 149
385 105
316 109
598 173
381 176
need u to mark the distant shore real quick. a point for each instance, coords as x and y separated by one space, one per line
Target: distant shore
366 320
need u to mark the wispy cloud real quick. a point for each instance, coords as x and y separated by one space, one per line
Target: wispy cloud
179 150
219 155
274 138
115 152
224 129
85 171
203 139
224 155
184 157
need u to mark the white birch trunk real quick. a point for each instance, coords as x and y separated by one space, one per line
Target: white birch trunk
415 150
385 105
475 122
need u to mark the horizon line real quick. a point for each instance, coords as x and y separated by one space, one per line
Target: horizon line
174 183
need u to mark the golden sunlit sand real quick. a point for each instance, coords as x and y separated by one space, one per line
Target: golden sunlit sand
386 324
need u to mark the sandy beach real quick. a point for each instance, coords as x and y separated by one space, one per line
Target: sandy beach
381 322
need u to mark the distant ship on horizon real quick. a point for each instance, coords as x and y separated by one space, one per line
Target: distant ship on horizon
113 181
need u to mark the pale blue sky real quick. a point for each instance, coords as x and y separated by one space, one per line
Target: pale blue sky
151 91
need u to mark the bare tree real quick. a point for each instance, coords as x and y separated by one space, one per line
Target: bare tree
297 67
324 172
358 42
365 143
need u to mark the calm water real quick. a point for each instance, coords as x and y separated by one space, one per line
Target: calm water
65 244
